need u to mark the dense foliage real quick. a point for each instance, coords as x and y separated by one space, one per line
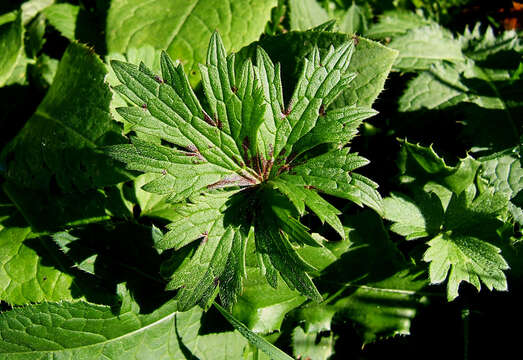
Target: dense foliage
251 179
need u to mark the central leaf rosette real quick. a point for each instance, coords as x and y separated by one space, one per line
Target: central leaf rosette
244 166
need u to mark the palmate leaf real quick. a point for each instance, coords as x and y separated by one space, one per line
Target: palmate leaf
461 226
242 164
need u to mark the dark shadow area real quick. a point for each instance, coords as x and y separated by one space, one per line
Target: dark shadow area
371 257
51 211
90 24
213 322
119 252
55 44
18 103
8 6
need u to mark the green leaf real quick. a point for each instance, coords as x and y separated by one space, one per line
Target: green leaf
32 7
12 62
332 173
423 46
45 70
475 216
254 339
219 257
370 60
312 346
354 21
468 259
263 308
35 36
481 87
321 82
421 165
63 17
437 88
270 82
146 54
384 308
165 106
337 126
183 28
414 218
371 285
463 246
151 205
273 233
306 14
235 100
395 23
174 167
448 85
503 171
301 196
66 242
24 276
480 46
83 330
57 150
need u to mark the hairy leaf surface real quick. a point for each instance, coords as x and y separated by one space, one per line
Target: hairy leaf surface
240 161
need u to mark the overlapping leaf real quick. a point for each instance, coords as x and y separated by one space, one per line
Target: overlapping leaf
243 140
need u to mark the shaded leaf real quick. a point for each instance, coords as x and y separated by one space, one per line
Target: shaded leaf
57 150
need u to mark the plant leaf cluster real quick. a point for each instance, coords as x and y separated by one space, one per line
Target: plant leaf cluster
248 142
240 189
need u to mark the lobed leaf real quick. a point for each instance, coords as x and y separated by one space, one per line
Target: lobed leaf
414 218
468 259
332 174
244 140
395 23
321 82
